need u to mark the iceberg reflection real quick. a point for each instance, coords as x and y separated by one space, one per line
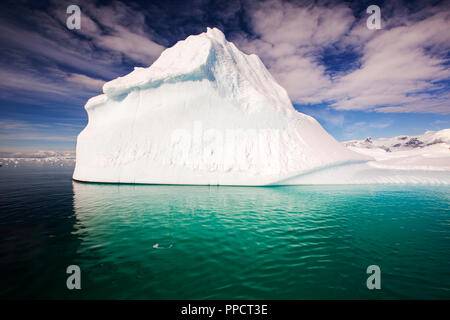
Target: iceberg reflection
198 242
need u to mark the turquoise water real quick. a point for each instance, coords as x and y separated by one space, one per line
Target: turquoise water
200 242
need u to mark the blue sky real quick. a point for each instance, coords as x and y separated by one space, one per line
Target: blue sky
356 82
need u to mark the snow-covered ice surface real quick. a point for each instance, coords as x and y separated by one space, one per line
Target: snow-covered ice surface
404 159
430 151
206 113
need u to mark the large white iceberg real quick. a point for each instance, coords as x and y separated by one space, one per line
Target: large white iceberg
204 113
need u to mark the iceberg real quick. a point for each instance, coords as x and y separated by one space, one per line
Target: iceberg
205 113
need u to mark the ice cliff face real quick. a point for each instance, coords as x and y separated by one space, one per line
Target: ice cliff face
203 113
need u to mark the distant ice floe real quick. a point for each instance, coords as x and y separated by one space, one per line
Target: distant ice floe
40 158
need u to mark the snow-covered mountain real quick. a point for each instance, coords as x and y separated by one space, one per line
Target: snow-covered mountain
402 143
429 151
203 113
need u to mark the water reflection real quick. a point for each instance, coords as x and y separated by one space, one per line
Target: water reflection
176 242
158 215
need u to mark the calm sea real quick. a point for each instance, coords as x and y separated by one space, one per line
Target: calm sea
200 242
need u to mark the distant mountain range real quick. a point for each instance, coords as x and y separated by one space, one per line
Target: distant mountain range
402 143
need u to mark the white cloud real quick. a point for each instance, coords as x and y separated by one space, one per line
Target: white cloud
360 129
36 60
126 33
400 64
72 87
85 81
399 69
108 34
289 38
11 130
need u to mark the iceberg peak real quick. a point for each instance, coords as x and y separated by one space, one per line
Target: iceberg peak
215 33
209 56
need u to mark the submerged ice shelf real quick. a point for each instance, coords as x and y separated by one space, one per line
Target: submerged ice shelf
206 113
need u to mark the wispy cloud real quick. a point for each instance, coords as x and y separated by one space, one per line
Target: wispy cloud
400 68
45 57
359 129
120 29
401 65
289 39
85 81
13 130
